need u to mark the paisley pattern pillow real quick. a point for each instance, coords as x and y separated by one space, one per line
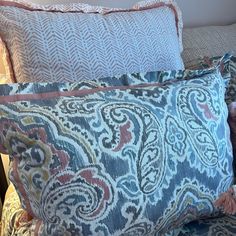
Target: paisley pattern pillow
121 160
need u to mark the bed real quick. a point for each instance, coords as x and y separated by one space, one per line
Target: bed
202 47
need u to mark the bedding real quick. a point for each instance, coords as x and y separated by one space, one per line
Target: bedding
64 157
224 225
72 42
6 75
15 220
195 191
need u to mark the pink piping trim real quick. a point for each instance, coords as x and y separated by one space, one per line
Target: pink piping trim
38 224
76 93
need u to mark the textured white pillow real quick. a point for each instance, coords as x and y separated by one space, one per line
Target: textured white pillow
208 41
62 43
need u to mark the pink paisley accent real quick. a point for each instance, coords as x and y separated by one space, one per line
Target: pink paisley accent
65 178
125 136
207 112
63 159
89 176
25 217
37 227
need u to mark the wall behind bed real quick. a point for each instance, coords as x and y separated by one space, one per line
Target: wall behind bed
195 12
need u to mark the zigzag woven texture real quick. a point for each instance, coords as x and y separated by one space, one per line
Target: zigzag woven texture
56 46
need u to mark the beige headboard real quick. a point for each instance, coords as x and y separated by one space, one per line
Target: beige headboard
195 12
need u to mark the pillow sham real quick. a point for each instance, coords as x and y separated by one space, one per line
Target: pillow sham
72 42
94 160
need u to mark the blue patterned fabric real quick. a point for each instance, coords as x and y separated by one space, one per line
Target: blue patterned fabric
228 71
222 225
121 160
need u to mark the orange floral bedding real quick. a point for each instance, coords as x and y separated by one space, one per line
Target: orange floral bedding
15 220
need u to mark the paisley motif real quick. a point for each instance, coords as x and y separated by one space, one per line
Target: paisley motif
175 136
138 229
149 156
96 194
189 102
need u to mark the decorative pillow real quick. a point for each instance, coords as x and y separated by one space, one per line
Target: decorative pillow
75 42
93 160
207 41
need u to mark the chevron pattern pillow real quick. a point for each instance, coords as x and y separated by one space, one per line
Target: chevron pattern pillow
141 159
75 42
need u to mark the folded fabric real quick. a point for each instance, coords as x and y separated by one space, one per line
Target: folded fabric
228 71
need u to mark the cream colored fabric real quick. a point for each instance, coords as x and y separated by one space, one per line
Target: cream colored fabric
5 162
5 69
208 41
15 220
